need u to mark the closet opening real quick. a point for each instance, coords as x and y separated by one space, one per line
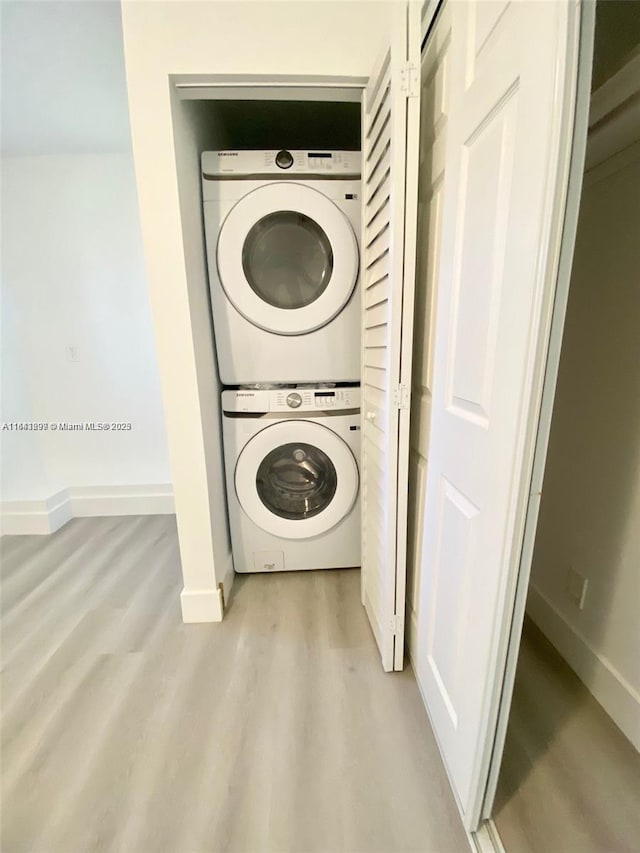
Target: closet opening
268 184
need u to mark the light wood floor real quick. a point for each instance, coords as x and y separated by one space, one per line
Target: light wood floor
276 730
570 780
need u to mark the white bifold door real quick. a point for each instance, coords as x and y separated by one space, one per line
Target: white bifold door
512 70
512 95
390 157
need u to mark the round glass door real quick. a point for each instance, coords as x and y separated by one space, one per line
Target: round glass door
287 258
296 479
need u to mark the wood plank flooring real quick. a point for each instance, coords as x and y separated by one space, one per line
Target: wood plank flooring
277 730
570 780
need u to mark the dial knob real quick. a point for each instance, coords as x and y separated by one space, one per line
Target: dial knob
294 400
284 159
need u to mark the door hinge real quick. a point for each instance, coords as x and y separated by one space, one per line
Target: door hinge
402 397
396 625
410 80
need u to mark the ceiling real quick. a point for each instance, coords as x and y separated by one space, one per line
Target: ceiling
63 77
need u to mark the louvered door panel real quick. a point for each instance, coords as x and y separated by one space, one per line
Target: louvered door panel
387 116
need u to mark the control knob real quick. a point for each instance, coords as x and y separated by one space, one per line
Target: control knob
284 159
294 400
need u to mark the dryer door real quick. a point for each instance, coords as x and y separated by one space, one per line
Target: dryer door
287 258
296 479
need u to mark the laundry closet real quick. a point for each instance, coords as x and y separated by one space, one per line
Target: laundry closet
279 177
281 213
458 110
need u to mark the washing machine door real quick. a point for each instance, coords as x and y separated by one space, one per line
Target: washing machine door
296 479
287 258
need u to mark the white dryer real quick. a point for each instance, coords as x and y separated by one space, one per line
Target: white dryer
291 458
283 255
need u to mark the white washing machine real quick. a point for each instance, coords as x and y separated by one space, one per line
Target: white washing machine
291 457
283 255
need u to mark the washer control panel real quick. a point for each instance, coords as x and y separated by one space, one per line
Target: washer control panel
287 399
294 400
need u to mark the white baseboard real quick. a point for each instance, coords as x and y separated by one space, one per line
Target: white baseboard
121 500
39 517
227 579
209 605
46 516
618 698
201 605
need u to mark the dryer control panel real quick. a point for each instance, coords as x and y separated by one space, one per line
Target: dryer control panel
283 163
299 398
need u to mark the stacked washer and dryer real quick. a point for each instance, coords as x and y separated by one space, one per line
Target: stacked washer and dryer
283 255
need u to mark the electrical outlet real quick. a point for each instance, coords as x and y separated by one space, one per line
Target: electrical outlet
577 587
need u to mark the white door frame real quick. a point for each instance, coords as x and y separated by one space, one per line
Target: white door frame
264 87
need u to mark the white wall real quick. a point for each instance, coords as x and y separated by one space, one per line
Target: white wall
161 39
63 80
194 132
590 509
325 37
73 276
22 472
